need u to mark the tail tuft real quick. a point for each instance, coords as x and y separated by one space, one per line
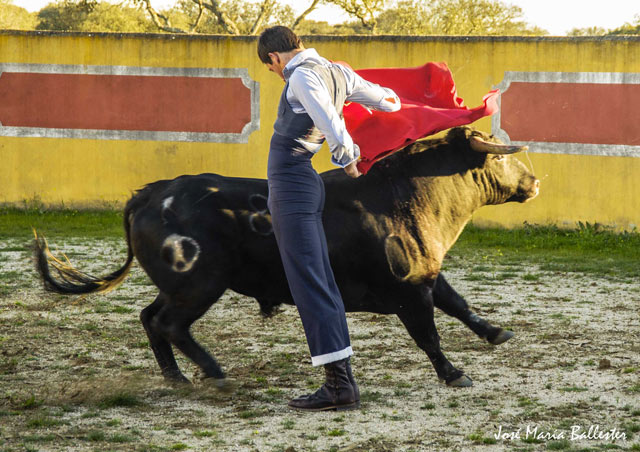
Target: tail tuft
69 280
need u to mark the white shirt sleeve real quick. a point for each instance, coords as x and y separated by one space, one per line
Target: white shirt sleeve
308 88
369 94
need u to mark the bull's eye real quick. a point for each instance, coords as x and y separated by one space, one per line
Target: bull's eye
499 157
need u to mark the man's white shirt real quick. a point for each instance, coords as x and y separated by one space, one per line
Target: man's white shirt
308 93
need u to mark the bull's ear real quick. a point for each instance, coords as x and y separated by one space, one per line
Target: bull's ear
480 145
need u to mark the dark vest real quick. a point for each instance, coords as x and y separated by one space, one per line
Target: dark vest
300 126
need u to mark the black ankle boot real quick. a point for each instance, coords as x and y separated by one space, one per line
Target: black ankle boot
356 390
339 391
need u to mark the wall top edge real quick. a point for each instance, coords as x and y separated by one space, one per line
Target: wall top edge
393 38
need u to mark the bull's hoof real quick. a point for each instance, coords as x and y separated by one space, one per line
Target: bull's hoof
221 384
461 382
503 336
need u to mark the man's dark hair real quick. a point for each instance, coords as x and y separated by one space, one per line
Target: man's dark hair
276 39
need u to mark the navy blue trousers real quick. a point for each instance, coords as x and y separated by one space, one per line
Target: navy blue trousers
296 200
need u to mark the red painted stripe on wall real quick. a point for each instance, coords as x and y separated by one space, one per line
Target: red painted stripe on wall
124 102
572 113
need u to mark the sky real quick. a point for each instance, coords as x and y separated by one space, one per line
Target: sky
555 16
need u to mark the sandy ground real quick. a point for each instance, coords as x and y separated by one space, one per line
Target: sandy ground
78 375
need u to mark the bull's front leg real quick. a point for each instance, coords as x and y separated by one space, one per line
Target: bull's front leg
450 302
417 316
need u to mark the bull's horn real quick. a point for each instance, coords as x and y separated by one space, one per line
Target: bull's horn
480 145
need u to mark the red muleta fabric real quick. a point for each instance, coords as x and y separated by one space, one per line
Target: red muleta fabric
430 104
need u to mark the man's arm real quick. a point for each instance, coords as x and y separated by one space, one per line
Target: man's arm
311 92
369 94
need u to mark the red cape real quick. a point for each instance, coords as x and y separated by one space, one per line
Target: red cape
430 104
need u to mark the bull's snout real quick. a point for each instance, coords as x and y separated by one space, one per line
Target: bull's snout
534 190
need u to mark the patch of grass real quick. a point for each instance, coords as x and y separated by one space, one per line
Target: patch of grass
288 424
605 447
42 421
558 445
120 399
631 429
96 435
476 277
532 440
587 248
120 438
371 396
94 223
272 395
11 275
38 438
29 403
573 389
400 392
204 434
336 432
121 310
89 327
178 446
478 438
525 401
248 414
482 268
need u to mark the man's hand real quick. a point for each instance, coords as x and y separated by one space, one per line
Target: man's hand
352 170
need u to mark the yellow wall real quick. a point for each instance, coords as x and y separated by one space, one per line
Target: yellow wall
82 171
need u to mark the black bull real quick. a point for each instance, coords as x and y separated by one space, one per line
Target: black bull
388 232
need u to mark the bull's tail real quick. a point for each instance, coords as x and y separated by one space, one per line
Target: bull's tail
61 277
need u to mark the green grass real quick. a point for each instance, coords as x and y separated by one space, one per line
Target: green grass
17 223
478 438
587 249
42 421
121 399
558 445
204 434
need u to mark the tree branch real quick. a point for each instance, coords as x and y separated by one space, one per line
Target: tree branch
364 10
265 10
197 22
156 17
301 17
223 18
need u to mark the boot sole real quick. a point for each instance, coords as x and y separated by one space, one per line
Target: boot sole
351 406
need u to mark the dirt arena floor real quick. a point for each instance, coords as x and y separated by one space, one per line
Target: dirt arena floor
78 374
